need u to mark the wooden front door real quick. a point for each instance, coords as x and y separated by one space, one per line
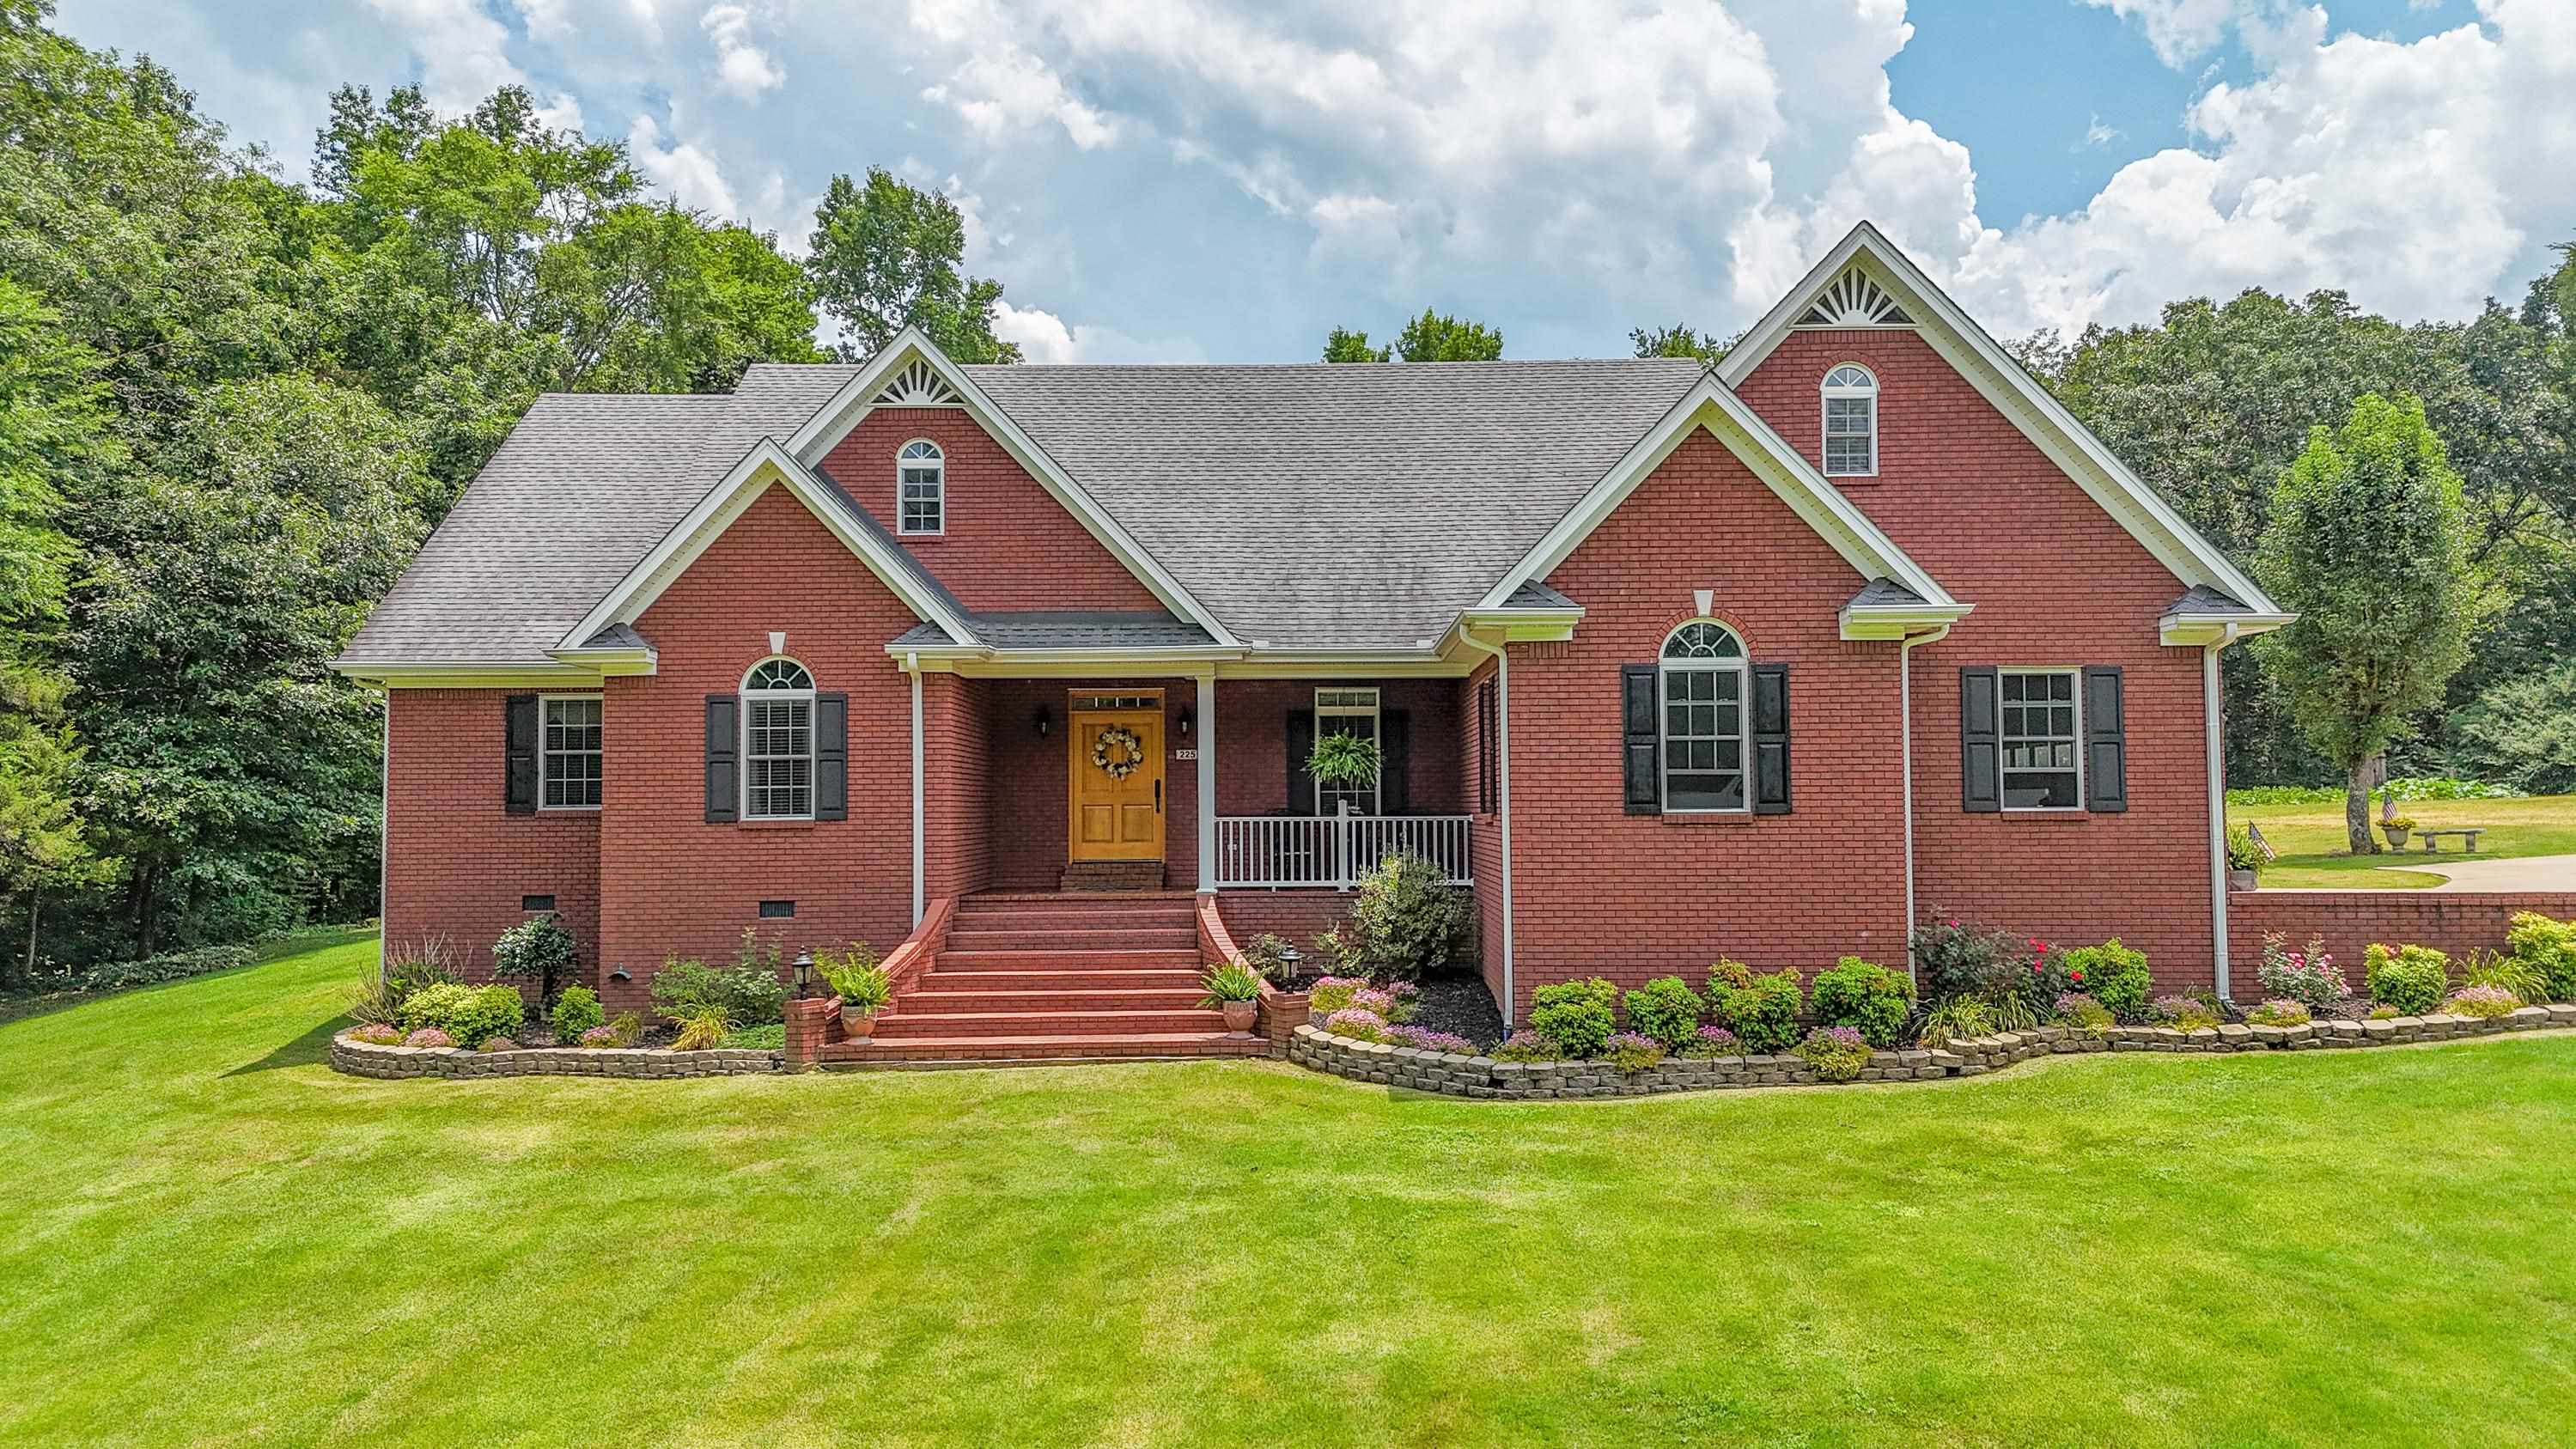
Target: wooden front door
1116 816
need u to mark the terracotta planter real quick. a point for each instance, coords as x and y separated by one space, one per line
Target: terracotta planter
1239 1015
858 1025
2240 880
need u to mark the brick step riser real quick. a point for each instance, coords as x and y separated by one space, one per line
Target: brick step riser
1124 960
975 942
1112 1023
1043 1001
1052 920
847 1055
1035 981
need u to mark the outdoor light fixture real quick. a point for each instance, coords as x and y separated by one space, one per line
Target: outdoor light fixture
1185 721
804 974
1042 721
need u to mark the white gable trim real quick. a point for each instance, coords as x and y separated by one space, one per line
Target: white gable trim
767 465
1817 502
851 405
2017 395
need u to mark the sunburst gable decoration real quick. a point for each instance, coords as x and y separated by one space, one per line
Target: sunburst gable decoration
1854 300
919 385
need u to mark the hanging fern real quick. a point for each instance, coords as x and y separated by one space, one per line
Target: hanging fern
1344 762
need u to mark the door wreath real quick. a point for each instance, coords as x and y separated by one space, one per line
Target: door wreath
1124 764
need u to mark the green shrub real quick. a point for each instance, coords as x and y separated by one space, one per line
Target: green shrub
1633 1052
1762 1011
377 1033
2510 974
1406 920
2019 978
748 995
1866 997
1665 1009
770 1038
468 1014
2183 1013
1837 1053
2111 974
1267 955
2548 947
2410 978
2280 1011
576 1011
625 1029
1576 1015
537 950
1528 1046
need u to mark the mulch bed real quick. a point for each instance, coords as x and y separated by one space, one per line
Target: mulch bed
1462 1005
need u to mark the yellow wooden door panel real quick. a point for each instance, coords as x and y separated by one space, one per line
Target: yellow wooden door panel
1114 818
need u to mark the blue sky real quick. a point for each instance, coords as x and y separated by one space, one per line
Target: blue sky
1227 179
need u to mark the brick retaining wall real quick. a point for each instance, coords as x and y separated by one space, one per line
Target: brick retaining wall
2456 922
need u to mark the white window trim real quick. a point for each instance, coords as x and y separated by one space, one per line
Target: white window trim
2003 795
1825 394
1374 711
1742 667
742 728
543 700
900 463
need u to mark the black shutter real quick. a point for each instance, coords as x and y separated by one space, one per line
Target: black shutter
1395 762
724 760
2106 740
1770 739
519 747
831 757
1489 736
1981 781
1640 760
1301 743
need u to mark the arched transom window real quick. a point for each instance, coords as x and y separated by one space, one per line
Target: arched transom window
921 488
778 741
1851 422
1702 718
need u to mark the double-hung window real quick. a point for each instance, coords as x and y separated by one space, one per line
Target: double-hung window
2041 739
921 488
778 741
1702 689
569 758
1347 712
1851 422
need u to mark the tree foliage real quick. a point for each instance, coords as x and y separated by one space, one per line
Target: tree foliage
2367 542
1681 341
1344 345
887 255
1431 337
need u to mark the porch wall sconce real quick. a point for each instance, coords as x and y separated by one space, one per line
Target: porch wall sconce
1042 721
1185 721
804 975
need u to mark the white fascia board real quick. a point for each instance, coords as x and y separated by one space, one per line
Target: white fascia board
765 465
1817 502
2135 506
605 662
466 674
2198 630
849 407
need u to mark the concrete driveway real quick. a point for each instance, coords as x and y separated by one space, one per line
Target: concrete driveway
2469 873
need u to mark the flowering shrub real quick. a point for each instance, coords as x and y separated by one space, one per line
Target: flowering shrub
1866 997
1331 993
1666 1009
601 1036
2480 1001
1396 1001
2111 974
2017 978
1359 1022
2278 1012
2183 1013
1762 1011
429 1036
1838 1053
2309 976
2080 1010
1429 1040
1528 1046
1632 1051
1712 1041
2410 978
1576 1014
377 1033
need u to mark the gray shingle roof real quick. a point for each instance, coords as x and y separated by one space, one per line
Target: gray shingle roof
2202 599
1535 595
1070 629
1882 593
1305 505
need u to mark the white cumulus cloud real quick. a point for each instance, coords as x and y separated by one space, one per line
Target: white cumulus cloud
742 67
685 169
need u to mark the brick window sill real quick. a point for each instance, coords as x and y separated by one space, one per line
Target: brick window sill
1710 818
777 824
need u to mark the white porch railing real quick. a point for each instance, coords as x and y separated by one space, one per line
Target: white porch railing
1333 850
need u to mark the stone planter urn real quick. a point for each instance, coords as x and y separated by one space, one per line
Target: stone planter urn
2396 835
858 1025
1239 1015
2240 880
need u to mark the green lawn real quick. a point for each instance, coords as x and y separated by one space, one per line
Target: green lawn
2311 839
208 1237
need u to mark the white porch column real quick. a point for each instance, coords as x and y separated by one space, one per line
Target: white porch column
1207 781
2212 725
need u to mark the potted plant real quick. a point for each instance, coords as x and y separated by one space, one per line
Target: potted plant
2244 858
1233 989
2397 828
860 982
1344 762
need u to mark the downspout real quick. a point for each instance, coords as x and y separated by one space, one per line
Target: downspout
2217 771
1503 794
1905 648
912 666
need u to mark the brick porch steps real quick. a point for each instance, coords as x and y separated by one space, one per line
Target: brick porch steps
941 997
1051 1050
1161 958
971 939
1094 979
1054 1020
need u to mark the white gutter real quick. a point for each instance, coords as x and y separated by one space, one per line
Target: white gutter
1905 648
2217 770
912 666
1503 795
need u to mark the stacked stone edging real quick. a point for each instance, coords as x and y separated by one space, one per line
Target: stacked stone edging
366 1059
1457 1075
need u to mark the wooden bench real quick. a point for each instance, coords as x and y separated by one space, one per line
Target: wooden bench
2468 838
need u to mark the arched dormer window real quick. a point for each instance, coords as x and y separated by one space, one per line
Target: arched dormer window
1851 422
921 488
1702 719
778 741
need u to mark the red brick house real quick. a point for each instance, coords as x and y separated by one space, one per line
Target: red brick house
1666 662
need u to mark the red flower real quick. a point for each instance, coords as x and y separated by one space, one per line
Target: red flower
2075 975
